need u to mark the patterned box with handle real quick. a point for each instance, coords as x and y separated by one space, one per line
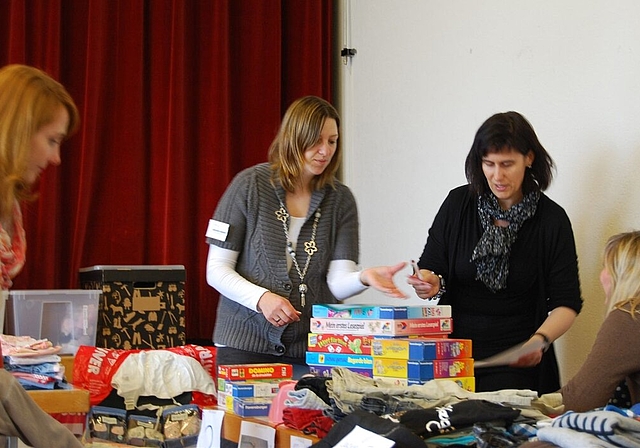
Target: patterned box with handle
142 306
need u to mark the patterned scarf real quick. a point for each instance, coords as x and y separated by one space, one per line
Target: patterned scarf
491 255
12 250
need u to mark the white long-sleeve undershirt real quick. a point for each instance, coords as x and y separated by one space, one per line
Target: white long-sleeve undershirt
343 278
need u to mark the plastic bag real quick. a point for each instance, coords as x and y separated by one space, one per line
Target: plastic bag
94 368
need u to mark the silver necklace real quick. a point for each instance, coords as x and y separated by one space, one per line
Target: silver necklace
309 247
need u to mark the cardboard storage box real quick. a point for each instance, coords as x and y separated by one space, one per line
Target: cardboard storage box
142 307
66 317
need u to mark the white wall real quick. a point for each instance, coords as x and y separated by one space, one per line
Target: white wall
427 73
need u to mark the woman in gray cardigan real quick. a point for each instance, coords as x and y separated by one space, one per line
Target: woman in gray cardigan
283 237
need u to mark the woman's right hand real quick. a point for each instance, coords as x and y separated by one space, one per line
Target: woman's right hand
277 310
427 286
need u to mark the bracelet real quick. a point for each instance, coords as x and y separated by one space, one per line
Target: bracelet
546 340
441 291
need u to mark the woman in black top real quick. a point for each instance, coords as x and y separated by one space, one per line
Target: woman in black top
503 255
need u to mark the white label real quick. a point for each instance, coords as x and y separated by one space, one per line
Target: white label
217 230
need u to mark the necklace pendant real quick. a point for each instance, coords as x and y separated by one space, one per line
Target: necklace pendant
282 215
303 293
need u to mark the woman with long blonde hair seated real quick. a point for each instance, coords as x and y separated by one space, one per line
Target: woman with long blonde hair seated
615 355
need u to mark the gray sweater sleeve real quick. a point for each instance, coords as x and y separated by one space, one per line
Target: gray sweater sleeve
21 417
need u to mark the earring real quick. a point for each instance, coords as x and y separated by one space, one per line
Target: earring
529 166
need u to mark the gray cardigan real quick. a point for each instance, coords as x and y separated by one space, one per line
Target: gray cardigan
248 206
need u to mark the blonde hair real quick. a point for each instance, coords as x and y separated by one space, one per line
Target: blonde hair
622 262
29 99
299 131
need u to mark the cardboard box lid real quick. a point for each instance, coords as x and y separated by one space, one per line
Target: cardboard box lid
133 273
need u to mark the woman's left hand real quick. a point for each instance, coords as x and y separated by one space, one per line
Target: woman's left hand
381 278
530 359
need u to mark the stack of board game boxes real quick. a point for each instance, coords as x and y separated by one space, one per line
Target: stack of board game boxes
404 362
405 345
248 389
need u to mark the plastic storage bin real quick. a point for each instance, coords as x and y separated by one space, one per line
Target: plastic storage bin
66 317
4 296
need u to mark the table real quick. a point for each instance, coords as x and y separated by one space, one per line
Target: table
231 430
61 401
77 401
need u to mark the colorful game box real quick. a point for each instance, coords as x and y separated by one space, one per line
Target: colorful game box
390 367
235 372
420 312
375 327
339 343
341 311
422 349
252 389
225 401
325 371
251 407
439 368
339 360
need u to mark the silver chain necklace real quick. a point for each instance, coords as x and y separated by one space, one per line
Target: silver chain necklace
309 247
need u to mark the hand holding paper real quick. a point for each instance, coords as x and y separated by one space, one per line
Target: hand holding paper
525 354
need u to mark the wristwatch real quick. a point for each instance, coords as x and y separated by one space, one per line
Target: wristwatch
545 338
441 291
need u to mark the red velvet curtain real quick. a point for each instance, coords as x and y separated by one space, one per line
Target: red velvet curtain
175 97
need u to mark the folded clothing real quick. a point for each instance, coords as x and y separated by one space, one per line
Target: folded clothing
306 399
309 421
610 426
403 437
567 438
380 403
317 384
440 420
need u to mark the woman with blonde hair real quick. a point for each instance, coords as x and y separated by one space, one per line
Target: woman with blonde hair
283 237
615 355
36 115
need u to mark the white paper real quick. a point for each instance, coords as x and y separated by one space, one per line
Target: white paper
511 355
362 438
210 428
255 435
300 442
